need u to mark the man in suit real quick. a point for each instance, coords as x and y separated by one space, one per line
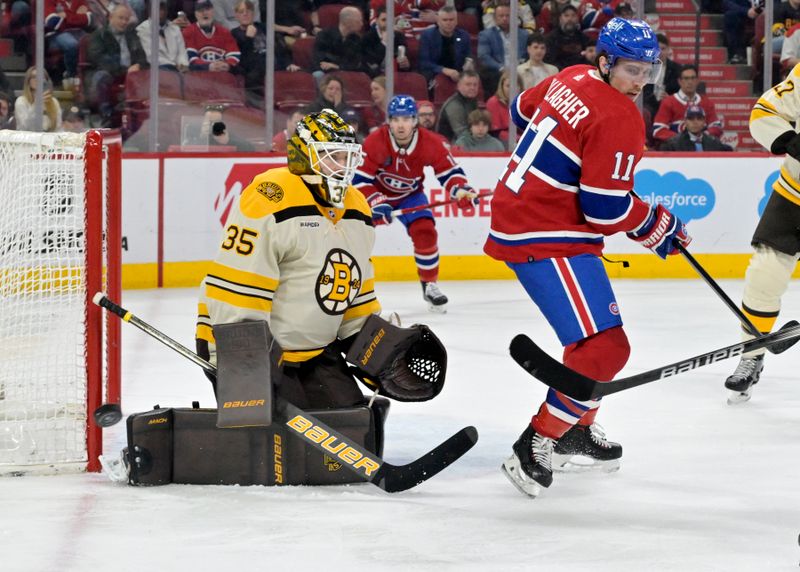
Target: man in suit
494 45
113 51
444 48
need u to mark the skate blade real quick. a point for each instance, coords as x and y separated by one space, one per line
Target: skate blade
513 471
582 464
737 397
440 309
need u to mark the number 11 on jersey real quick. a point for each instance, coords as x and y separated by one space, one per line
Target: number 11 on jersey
515 178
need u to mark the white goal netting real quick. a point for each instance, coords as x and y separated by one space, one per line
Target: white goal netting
43 284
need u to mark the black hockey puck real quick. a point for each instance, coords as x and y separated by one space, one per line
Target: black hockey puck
107 414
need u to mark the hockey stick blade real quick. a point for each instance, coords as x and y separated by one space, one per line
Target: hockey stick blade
554 374
365 464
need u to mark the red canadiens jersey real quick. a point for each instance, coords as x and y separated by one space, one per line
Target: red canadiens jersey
396 173
203 48
568 182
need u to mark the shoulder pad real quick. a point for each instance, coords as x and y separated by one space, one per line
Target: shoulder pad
273 191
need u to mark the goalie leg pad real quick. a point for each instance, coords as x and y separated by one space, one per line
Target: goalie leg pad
408 364
186 446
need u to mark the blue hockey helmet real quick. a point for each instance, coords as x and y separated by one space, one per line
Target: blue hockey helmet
631 39
402 106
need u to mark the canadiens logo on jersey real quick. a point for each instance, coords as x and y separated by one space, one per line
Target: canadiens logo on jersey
271 190
397 183
339 282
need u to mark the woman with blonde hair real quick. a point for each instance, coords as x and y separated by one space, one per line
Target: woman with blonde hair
497 105
375 115
24 108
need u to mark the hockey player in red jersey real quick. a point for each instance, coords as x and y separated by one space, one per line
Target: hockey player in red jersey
567 185
391 178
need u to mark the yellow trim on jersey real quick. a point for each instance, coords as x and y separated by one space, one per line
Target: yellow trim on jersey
280 189
205 332
758 113
237 299
787 187
242 277
367 286
300 355
353 312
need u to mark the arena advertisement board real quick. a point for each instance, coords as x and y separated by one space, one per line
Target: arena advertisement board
719 197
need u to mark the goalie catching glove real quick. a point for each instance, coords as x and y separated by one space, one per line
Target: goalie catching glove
465 196
406 364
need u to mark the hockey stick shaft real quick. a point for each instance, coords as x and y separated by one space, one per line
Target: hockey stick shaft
327 440
561 378
745 321
410 210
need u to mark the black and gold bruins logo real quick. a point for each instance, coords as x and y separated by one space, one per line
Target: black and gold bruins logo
331 464
272 191
338 283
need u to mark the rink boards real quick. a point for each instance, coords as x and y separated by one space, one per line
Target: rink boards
175 205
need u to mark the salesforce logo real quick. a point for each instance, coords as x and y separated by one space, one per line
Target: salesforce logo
762 204
688 199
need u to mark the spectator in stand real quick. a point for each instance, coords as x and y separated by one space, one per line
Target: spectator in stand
444 48
6 111
477 138
374 46
694 137
375 116
737 13
590 53
65 23
594 14
113 51
339 47
101 10
213 131
534 70
225 13
790 51
5 85
525 14
171 47
24 110
353 118
280 139
73 120
210 47
786 16
566 43
548 16
624 11
426 114
331 96
251 37
289 23
494 45
667 83
497 106
453 116
670 117
182 13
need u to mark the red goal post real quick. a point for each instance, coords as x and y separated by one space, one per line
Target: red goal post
60 242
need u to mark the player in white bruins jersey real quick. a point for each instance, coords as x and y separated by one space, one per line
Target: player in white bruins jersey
296 252
777 236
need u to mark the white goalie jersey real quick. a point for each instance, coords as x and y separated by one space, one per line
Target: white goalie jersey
775 113
302 266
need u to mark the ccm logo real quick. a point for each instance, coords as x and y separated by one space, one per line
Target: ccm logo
158 421
374 344
250 403
330 443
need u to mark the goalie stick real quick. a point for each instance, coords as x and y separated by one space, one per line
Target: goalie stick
554 374
367 465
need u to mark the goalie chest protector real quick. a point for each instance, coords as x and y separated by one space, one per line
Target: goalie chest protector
185 446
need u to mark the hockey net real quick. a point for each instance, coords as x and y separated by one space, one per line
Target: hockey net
59 244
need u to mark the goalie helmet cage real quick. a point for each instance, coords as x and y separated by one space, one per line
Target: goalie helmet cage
60 242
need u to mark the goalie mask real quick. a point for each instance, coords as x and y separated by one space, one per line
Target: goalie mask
406 364
325 153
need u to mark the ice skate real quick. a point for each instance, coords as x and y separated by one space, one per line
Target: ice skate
742 380
530 467
584 448
437 301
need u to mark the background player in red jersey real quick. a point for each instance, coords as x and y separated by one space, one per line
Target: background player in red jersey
391 178
567 185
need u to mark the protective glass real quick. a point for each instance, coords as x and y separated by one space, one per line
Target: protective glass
336 163
639 72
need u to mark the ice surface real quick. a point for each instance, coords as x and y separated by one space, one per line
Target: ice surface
703 486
